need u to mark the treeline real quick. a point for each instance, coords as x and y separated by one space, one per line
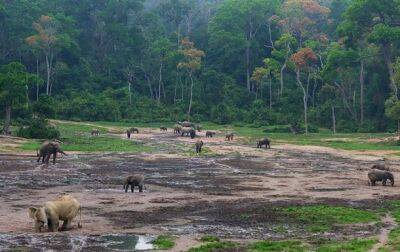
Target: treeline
330 64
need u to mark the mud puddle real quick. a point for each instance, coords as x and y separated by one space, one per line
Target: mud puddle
69 242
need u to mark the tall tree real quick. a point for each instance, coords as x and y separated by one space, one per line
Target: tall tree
303 61
191 63
14 80
379 22
46 40
240 24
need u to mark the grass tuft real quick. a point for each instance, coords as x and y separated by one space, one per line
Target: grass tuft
215 246
164 242
290 246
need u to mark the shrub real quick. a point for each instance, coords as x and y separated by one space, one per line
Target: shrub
38 128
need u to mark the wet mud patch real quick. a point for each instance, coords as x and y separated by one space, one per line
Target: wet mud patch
326 189
235 219
75 242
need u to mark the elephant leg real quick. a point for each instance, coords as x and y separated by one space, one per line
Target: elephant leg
132 188
66 225
48 158
140 188
54 157
53 224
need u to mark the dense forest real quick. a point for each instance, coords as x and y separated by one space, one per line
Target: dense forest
329 63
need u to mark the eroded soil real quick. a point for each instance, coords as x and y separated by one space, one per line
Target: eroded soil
235 192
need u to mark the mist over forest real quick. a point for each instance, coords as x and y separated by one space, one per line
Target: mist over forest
329 64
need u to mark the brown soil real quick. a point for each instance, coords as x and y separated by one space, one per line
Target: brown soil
235 196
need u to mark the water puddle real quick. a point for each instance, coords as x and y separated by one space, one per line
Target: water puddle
61 242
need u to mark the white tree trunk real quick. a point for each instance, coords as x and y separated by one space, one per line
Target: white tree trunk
48 73
333 120
362 84
191 94
37 79
248 66
7 120
304 99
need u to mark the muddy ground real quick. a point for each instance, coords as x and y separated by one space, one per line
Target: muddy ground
234 192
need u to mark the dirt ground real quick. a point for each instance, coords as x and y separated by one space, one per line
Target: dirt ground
187 196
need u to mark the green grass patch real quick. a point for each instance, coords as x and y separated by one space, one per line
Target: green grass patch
345 141
212 246
164 242
356 245
77 137
209 238
289 246
320 218
394 207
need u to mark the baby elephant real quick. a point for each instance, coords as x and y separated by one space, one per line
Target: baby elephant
162 128
134 180
199 145
263 142
95 132
64 208
210 134
378 175
229 137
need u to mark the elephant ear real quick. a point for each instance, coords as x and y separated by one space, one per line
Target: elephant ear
32 211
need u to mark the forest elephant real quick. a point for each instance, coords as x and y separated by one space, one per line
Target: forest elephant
379 175
65 208
199 146
187 124
177 129
229 137
95 132
132 181
188 132
47 149
263 142
210 134
162 128
134 130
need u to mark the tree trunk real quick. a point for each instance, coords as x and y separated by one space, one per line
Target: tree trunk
248 66
159 81
130 94
281 80
37 79
398 128
47 75
7 121
304 100
270 92
333 120
191 95
388 61
176 86
362 84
